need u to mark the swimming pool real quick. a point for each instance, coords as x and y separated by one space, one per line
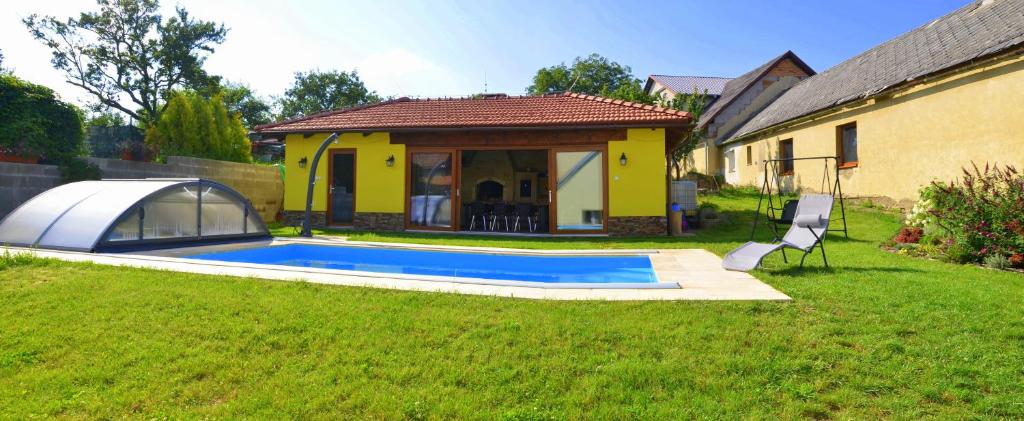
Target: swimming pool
589 269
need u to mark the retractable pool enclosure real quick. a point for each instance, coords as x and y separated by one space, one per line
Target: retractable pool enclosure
115 214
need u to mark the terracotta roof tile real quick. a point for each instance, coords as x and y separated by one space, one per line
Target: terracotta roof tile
570 110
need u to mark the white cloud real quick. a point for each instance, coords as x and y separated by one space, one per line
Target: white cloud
400 72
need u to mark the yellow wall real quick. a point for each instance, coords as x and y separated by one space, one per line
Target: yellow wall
927 132
637 189
379 188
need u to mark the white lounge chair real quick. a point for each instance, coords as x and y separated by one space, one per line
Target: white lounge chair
810 224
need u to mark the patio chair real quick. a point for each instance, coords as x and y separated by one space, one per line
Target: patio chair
501 213
810 225
478 210
784 218
524 211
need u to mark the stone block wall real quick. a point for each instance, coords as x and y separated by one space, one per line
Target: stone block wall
379 221
368 221
21 182
261 184
294 218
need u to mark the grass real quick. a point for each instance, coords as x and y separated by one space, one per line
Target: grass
878 336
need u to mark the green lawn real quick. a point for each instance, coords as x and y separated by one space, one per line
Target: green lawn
880 335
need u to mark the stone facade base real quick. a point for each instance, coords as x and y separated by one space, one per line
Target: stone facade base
637 225
294 218
379 221
369 221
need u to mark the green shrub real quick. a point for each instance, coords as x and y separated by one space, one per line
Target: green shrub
959 252
997 261
78 169
195 127
34 122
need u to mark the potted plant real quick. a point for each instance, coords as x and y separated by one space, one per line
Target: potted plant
135 151
11 156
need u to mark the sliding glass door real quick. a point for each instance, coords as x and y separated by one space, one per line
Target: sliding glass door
431 177
579 191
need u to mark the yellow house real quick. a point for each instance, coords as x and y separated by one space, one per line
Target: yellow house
559 164
915 109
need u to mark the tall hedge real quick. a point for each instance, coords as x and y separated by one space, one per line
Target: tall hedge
35 123
197 127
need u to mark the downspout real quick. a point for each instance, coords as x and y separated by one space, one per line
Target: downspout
707 157
306 230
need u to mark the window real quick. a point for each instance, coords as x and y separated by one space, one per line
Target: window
730 158
786 155
846 145
750 155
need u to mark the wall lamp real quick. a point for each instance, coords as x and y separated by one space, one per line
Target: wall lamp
302 162
390 161
622 159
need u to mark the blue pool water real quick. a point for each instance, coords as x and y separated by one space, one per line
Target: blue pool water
509 267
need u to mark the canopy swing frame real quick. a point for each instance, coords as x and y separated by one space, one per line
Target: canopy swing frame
771 218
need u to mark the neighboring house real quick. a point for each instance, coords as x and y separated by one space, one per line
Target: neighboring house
572 163
914 109
742 98
667 87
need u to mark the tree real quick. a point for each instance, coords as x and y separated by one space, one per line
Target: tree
198 127
105 118
108 135
35 123
314 92
592 75
127 50
241 100
693 103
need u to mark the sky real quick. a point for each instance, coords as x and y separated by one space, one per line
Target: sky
443 48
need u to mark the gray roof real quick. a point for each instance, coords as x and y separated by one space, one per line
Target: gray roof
979 29
686 84
737 86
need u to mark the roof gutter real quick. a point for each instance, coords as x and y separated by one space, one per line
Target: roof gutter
477 128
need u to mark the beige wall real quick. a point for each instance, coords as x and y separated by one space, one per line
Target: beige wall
927 132
698 163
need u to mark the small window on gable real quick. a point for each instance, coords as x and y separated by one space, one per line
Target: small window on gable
786 155
750 155
846 145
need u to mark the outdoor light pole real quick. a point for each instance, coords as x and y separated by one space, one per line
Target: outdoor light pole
306 230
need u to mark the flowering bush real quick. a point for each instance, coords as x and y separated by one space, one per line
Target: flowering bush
1017 260
920 215
910 235
982 214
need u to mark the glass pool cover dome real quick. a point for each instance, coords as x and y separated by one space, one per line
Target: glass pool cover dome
112 214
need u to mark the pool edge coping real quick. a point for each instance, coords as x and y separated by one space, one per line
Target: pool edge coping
683 274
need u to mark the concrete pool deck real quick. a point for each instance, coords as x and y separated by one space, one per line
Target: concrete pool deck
683 274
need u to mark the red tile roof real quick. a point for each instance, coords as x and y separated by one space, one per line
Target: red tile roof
557 110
